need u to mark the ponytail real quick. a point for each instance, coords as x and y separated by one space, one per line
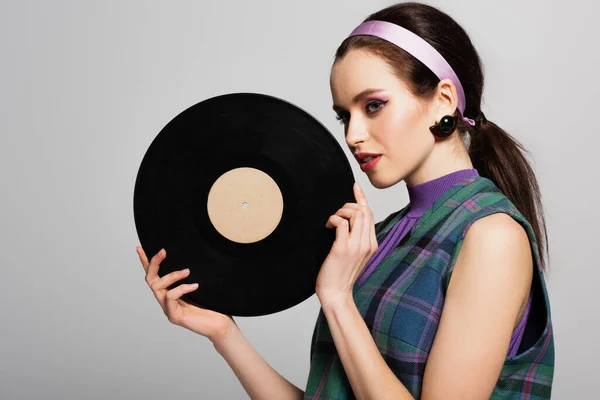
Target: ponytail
499 157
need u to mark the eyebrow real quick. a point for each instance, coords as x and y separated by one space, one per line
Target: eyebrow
358 97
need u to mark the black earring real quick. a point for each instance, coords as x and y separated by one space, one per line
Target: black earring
445 128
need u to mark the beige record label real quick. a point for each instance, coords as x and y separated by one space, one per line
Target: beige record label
245 205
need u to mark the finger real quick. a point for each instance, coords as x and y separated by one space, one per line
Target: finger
369 228
169 279
351 215
357 229
152 272
343 213
359 195
176 293
142 255
348 212
356 206
341 232
336 221
368 225
372 237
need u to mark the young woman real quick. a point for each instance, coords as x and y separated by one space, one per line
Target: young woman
446 298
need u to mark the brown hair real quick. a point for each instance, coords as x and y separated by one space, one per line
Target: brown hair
493 152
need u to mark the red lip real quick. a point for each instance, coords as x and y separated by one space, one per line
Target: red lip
368 165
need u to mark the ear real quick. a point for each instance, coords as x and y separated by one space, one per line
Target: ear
445 99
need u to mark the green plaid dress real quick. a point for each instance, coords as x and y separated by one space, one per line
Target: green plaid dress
401 301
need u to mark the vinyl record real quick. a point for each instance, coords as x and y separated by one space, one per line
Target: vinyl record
238 189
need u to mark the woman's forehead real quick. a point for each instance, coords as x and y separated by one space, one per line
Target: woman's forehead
358 71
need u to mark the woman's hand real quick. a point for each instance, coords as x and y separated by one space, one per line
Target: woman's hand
352 249
213 325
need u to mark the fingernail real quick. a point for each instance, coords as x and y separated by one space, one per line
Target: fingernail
194 285
162 252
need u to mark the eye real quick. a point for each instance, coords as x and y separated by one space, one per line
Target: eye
375 105
343 118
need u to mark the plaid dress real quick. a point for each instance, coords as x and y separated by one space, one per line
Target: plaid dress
402 300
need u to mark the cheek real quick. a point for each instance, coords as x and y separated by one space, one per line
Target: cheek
404 135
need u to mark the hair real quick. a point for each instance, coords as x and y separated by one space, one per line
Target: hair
494 153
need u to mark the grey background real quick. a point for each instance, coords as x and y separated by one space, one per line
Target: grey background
86 86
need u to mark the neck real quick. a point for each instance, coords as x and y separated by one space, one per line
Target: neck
424 195
448 155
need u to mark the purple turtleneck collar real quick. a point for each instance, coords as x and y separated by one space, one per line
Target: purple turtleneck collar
423 195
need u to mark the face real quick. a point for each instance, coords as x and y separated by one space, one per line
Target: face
381 118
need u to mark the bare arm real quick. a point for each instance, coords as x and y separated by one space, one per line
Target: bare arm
488 288
258 378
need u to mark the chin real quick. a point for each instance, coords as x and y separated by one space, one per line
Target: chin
380 182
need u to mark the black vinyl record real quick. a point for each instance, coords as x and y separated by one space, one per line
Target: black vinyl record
245 132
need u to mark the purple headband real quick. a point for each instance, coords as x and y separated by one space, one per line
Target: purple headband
419 49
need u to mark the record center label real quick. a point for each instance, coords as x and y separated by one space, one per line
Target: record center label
245 205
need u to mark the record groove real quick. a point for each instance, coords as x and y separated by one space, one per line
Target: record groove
219 135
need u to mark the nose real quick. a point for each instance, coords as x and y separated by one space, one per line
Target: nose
356 132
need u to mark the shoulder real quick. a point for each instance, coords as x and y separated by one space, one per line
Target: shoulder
495 256
496 231
498 235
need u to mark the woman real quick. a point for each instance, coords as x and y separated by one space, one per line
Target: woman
444 299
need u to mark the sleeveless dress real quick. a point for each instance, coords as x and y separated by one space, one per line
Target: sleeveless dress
401 293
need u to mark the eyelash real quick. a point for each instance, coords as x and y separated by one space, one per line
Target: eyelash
380 104
340 119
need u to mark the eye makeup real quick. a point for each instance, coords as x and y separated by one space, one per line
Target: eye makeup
378 103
